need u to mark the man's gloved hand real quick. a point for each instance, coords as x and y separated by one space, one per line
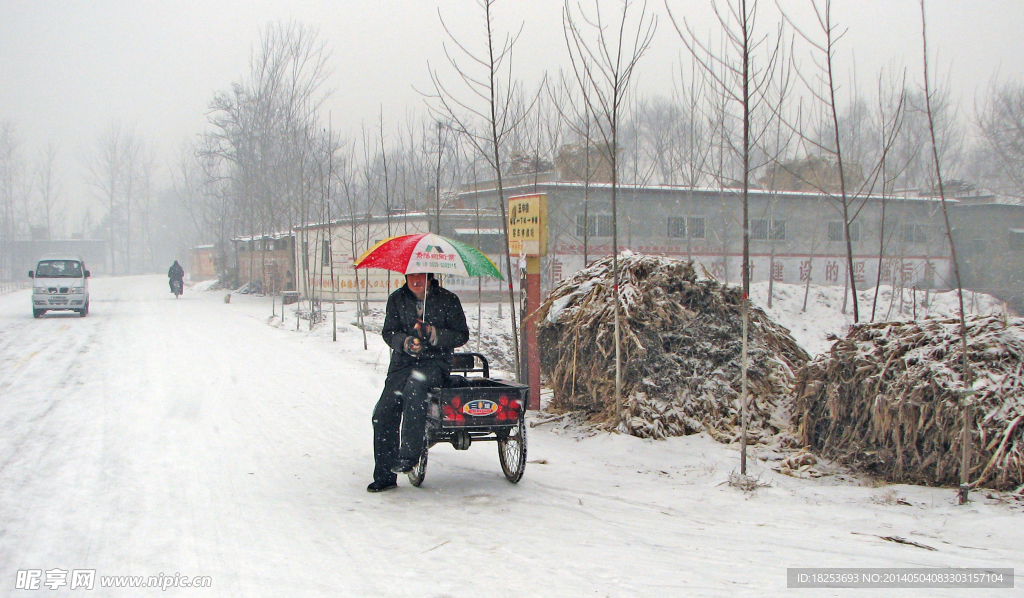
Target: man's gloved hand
426 332
412 345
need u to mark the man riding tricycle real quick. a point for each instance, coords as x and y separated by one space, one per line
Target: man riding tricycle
422 403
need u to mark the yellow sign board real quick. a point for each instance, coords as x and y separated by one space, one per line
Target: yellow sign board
528 225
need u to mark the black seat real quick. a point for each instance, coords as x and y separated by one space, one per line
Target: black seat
467 363
457 381
471 363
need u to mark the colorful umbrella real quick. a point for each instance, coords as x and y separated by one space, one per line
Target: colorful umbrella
427 252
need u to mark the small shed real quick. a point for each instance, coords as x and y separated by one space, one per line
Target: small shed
267 260
202 263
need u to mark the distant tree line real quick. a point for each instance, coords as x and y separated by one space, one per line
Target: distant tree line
272 157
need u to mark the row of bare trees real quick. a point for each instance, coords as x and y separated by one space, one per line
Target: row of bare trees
121 171
748 113
120 176
31 194
250 172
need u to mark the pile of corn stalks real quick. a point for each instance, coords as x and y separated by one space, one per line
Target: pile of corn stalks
681 342
889 399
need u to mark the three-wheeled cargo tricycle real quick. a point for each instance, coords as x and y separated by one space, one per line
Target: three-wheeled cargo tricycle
475 408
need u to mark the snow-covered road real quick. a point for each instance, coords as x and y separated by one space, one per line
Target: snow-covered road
201 438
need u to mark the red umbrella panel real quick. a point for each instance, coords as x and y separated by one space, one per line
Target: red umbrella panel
427 252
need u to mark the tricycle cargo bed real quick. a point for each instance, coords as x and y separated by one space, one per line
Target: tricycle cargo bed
482 402
474 408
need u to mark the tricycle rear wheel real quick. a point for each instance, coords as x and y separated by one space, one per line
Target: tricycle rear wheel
512 452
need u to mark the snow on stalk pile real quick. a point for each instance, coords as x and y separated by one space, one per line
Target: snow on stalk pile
681 346
886 399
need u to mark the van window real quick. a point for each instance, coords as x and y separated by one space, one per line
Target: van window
59 269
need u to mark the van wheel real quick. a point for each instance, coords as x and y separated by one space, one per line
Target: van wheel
38 312
85 310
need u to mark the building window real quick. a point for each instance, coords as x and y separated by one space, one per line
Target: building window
770 230
691 227
835 231
582 228
758 229
326 259
913 233
695 225
598 225
676 228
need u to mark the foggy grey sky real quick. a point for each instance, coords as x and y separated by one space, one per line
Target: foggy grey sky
68 68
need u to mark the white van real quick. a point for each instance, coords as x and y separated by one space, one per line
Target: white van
61 282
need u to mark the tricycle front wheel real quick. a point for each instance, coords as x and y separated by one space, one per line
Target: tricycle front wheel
512 452
419 471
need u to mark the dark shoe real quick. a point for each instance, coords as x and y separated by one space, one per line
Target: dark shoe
381 486
402 466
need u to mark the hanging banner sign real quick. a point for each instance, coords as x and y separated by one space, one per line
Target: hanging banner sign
528 225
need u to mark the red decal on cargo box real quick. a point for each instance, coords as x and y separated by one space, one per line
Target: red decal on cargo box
480 408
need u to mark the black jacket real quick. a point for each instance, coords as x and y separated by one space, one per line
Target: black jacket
442 310
176 271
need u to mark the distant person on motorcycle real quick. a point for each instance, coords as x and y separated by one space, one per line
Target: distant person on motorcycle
423 325
176 274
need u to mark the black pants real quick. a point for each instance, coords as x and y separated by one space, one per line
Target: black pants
400 417
174 280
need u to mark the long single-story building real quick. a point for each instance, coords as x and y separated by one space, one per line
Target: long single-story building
794 236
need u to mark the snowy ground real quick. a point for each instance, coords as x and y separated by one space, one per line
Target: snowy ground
199 437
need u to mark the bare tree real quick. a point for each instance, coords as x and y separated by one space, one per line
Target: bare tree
105 175
388 205
266 129
743 84
832 145
48 180
132 154
911 152
1001 122
891 111
604 56
146 181
12 183
201 185
495 90
349 200
966 374
577 161
441 143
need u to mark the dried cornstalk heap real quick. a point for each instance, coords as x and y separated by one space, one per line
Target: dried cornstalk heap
681 345
887 398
